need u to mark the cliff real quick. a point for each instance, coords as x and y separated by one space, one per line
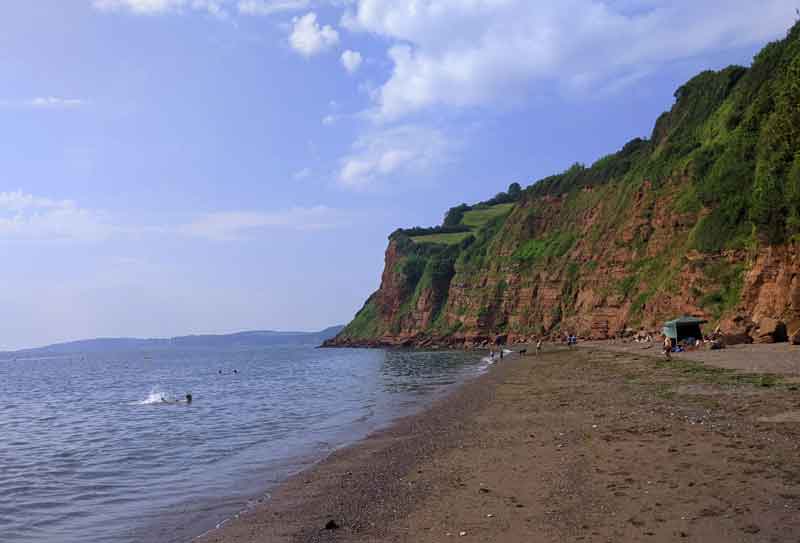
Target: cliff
701 219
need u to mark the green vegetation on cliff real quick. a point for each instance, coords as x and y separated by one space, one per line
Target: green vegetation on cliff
673 216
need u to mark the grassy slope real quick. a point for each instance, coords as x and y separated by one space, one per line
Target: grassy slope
474 219
443 239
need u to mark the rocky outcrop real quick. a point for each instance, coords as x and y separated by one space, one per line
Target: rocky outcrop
793 331
770 331
596 289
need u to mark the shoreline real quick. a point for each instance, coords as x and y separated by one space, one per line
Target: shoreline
574 444
405 440
397 392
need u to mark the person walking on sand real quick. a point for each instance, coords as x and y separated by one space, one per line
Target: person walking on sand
668 348
538 347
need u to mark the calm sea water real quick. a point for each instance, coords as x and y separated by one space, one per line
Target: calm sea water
89 452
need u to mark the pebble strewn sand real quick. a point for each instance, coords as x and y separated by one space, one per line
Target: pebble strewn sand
782 358
572 445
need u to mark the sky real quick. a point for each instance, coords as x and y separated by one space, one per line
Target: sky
170 167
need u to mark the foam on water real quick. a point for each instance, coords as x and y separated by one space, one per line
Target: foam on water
155 397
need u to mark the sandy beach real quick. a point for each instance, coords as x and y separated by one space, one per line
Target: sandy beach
572 445
779 358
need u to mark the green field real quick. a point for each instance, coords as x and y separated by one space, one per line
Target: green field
474 219
478 217
443 239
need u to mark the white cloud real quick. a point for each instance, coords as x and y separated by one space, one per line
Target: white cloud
464 53
309 38
28 217
305 173
407 149
233 225
157 7
351 60
55 102
44 102
329 120
269 7
218 8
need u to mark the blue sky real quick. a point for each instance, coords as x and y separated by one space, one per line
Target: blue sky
195 166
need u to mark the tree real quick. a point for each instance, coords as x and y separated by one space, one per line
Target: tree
454 215
514 191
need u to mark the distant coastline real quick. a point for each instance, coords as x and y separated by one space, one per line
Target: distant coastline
238 340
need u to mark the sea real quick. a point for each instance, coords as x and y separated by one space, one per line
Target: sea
104 447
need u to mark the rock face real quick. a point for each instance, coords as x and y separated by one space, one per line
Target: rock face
770 331
793 332
685 223
589 291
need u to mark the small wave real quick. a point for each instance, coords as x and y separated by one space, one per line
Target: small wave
155 397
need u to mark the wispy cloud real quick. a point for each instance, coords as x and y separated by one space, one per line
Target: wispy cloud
408 149
269 7
28 217
158 7
218 8
234 225
55 102
45 102
304 173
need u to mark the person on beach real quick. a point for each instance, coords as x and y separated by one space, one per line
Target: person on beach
668 348
538 347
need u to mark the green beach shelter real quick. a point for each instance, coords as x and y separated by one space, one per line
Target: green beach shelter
683 327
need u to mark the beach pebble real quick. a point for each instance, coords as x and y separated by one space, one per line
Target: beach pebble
462 534
331 525
490 515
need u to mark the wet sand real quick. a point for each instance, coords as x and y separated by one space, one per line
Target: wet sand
571 445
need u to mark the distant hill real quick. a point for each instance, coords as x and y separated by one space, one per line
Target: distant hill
240 340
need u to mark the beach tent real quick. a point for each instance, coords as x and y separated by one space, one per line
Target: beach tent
684 327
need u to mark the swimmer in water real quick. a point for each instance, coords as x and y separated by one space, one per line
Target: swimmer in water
189 397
